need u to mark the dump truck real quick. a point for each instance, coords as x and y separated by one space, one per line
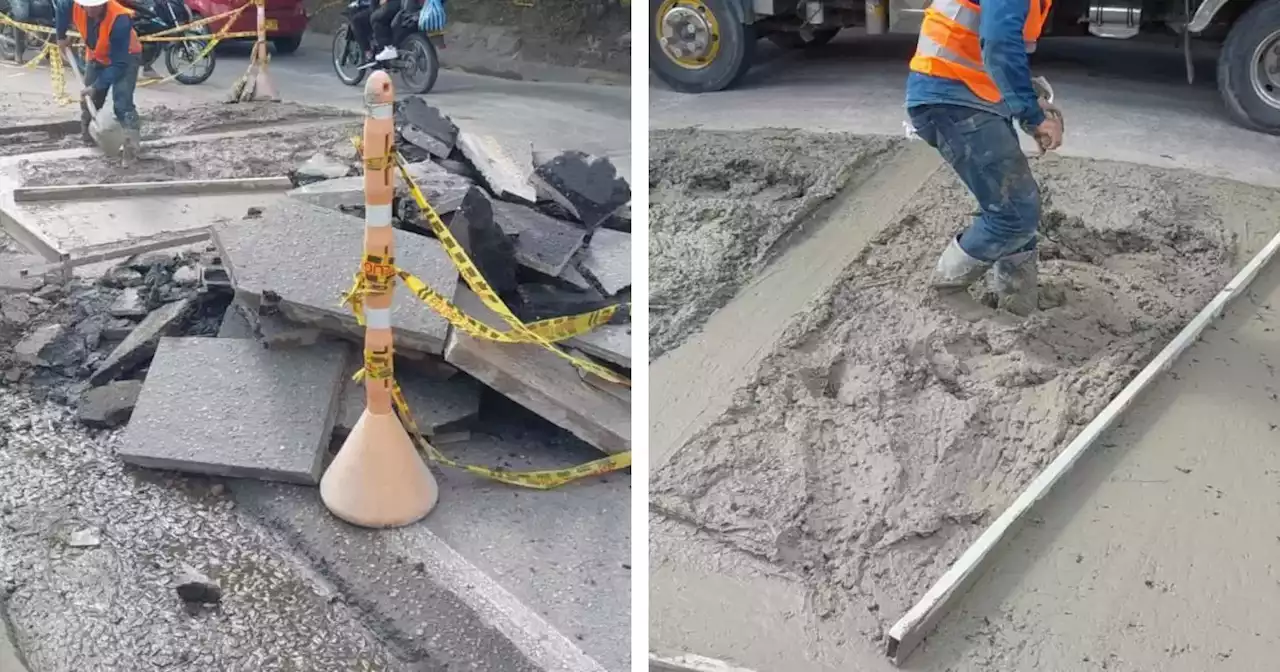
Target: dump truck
708 45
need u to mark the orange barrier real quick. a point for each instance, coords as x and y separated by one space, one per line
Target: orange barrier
378 478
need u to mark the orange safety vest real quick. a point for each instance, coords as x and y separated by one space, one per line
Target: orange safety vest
949 46
101 51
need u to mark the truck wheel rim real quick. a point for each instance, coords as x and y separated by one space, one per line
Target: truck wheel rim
1265 73
688 33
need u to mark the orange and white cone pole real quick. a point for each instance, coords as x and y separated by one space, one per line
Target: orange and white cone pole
377 478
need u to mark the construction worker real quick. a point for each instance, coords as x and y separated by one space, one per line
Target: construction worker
112 52
970 80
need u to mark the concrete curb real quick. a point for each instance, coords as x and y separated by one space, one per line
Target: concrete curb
419 594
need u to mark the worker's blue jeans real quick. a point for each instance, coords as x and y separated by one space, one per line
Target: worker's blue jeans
983 149
121 92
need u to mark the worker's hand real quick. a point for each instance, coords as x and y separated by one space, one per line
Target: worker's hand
1049 133
87 91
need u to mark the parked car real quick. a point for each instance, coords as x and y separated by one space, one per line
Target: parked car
286 20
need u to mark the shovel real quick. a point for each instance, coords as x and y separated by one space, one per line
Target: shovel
104 128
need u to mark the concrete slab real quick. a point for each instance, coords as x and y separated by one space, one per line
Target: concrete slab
543 243
443 189
10 657
306 254
230 407
505 164
141 343
437 404
272 330
608 260
540 381
610 342
552 565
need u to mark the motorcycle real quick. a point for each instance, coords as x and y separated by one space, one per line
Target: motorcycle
183 60
418 64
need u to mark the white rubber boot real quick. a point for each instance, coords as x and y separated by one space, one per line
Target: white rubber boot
956 269
1015 279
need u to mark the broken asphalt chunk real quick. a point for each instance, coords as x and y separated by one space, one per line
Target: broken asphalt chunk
544 244
607 260
587 186
141 343
426 127
195 588
110 405
488 246
501 164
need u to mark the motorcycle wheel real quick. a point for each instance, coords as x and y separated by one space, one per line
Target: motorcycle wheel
347 57
419 65
180 59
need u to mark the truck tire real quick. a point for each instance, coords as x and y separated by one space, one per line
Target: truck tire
1249 68
715 48
790 40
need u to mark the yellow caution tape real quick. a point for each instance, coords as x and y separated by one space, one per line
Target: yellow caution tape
376 366
490 298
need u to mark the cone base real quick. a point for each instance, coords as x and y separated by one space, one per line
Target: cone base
377 479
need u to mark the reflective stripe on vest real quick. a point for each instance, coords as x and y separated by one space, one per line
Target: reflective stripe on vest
101 51
949 45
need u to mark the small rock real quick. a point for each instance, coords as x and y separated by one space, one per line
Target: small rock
86 538
90 329
186 276
148 260
50 292
110 405
121 276
37 301
35 349
253 213
131 304
196 588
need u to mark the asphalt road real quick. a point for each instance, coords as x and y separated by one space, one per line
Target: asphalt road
1122 100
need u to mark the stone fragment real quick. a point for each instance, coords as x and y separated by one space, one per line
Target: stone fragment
422 125
90 329
607 260
131 304
230 407
320 167
110 405
196 588
306 254
37 349
587 186
486 243
186 276
544 244
141 343
88 537
506 175
14 311
146 261
118 329
610 342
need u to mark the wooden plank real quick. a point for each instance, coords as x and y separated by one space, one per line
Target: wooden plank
688 662
119 249
78 192
919 621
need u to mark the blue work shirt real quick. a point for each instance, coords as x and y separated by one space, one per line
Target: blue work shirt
119 36
1004 56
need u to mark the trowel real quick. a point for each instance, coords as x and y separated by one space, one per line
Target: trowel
104 128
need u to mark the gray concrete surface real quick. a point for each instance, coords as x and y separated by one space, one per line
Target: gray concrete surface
229 407
438 404
306 255
1123 101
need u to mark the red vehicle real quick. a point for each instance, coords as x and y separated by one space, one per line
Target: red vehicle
286 19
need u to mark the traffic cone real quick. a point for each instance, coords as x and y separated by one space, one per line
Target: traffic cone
378 479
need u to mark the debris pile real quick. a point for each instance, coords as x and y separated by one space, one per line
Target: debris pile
244 351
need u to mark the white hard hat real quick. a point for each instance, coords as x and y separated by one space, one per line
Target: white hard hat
91 3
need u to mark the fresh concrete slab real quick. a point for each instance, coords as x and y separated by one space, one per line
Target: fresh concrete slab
306 255
230 407
489 559
540 381
543 243
437 404
608 260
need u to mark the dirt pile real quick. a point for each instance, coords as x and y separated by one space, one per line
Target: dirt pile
721 205
884 432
